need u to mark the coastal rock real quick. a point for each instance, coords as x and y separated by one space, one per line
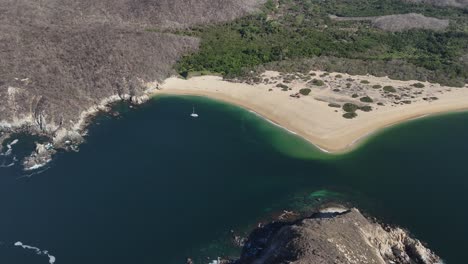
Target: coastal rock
40 157
334 236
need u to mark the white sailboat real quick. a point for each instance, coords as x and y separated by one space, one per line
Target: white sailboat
193 113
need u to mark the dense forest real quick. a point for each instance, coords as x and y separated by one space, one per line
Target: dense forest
288 30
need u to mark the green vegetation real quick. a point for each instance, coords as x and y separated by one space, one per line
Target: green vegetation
355 95
366 108
350 115
350 108
334 105
389 89
305 91
317 82
365 82
302 29
418 85
377 86
366 99
282 86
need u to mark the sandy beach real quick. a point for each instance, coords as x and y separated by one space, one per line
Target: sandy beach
312 116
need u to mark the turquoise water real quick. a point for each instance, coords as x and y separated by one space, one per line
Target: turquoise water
157 186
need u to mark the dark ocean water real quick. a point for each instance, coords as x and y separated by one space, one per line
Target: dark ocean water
157 186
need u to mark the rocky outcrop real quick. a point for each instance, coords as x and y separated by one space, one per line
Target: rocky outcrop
334 236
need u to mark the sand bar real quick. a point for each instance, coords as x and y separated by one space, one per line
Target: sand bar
311 117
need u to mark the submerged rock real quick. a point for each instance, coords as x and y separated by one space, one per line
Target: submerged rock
334 236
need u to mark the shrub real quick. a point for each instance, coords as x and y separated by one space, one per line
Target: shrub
366 108
348 85
350 115
355 96
350 108
334 105
305 91
366 99
283 86
418 85
389 89
377 86
317 82
338 76
365 81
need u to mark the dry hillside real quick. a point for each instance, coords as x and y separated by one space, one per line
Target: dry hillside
59 58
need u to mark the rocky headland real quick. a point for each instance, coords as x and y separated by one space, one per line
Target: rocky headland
334 235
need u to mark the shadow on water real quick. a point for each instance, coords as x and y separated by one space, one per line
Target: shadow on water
157 186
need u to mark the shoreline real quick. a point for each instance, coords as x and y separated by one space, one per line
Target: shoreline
323 131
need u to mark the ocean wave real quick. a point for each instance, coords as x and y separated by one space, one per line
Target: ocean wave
37 250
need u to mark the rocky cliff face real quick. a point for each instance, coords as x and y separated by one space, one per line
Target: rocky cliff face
334 236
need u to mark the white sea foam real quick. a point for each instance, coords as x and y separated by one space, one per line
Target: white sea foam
38 251
13 143
7 153
7 165
38 166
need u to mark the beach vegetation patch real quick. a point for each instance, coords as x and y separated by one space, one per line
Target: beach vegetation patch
350 115
366 108
305 91
389 89
366 99
350 107
377 86
317 82
282 86
418 85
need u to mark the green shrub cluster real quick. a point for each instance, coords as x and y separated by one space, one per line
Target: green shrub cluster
366 99
350 115
305 91
350 108
317 82
302 29
389 89
418 85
